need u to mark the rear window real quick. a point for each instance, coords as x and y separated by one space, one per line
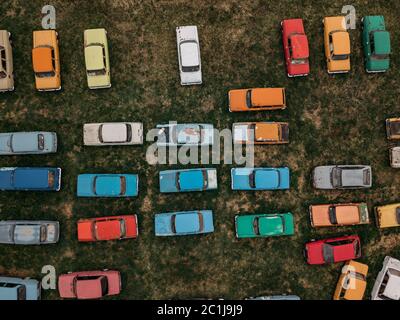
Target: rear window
51 179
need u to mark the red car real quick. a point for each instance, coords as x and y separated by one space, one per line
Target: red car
295 46
333 250
89 284
108 228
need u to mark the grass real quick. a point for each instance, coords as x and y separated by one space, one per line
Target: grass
333 119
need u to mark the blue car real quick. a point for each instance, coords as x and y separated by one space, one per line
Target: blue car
188 180
19 289
184 223
260 178
30 179
108 185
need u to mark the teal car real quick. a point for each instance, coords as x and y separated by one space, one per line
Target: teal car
264 225
376 42
108 185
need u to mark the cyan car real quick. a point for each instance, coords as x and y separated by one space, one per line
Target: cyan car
108 185
260 178
188 180
19 289
16 143
184 223
30 179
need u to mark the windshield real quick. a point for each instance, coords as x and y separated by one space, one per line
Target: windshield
123 228
43 233
336 177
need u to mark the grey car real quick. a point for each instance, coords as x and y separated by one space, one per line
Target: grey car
29 232
37 142
342 177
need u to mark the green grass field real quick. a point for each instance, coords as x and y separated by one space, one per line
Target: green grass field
333 119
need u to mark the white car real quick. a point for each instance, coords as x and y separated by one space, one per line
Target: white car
188 134
112 133
187 40
387 284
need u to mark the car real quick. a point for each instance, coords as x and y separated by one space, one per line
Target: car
393 128
108 228
394 157
337 44
97 58
388 216
295 47
12 288
352 281
25 232
277 297
108 185
387 283
376 43
89 284
342 177
18 143
260 178
334 215
257 99
264 225
260 133
184 223
6 65
188 180
30 179
46 60
112 133
185 134
333 250
187 40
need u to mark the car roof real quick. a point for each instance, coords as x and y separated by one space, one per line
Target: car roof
188 133
94 57
188 222
114 132
347 214
108 229
42 59
27 233
392 289
266 178
269 225
107 184
341 41
191 179
31 178
382 42
25 141
261 97
299 43
266 131
89 288
344 251
353 177
189 54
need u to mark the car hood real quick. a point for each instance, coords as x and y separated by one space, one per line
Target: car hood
322 177
315 253
5 142
6 233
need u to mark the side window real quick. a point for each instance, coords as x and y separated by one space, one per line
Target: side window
371 41
53 59
104 57
290 46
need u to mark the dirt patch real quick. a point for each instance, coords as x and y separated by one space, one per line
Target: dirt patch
386 243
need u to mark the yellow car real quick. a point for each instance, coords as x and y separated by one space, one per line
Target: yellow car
388 216
352 282
337 44
97 58
46 60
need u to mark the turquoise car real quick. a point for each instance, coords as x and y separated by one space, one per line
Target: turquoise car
18 143
108 185
260 178
184 223
264 225
376 42
19 289
188 180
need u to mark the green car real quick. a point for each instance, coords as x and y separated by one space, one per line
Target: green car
264 225
376 42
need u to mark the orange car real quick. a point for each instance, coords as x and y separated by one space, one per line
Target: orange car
352 282
46 60
108 228
260 133
329 215
257 99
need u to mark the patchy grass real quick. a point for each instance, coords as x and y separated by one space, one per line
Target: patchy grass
333 119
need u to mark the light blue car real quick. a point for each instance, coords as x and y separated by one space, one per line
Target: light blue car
184 223
188 180
19 289
260 178
16 143
108 185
